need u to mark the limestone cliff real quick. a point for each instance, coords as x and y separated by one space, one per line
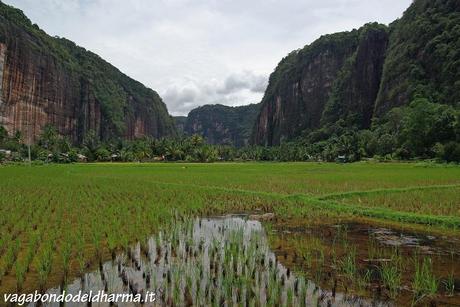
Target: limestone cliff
49 80
423 58
355 89
220 124
180 122
300 87
351 79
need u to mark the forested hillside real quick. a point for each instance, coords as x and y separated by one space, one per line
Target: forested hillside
220 124
377 90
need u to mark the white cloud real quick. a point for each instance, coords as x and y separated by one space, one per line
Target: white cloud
245 80
195 52
236 89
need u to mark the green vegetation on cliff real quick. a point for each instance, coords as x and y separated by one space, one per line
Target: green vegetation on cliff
299 88
390 92
354 91
421 130
83 75
180 122
220 124
387 91
423 58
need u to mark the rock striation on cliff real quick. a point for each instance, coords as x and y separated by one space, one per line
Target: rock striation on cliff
220 124
50 80
321 82
351 79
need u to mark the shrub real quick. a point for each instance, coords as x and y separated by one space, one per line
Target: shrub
451 152
102 154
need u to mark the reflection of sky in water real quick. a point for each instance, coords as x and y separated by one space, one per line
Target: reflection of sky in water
170 267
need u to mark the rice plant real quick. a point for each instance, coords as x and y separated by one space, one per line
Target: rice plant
449 283
425 282
108 208
11 254
80 252
391 275
20 273
348 264
44 263
66 253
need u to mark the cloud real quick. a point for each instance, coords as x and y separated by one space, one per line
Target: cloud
236 89
245 80
181 100
195 52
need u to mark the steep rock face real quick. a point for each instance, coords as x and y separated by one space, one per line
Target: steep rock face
46 80
180 122
354 92
423 56
301 85
220 124
349 79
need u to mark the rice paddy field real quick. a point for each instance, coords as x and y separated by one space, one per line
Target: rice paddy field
224 234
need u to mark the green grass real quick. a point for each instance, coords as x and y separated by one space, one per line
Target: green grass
391 277
449 284
432 200
425 283
61 219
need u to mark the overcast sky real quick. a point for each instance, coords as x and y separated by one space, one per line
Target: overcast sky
196 52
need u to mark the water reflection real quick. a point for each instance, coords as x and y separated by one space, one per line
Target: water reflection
223 261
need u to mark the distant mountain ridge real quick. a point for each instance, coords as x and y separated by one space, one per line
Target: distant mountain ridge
220 124
347 81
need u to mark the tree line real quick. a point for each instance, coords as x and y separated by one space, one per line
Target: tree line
421 130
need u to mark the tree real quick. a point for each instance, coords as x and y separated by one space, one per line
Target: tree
64 145
91 144
141 149
206 154
11 143
451 152
425 124
348 145
126 155
49 138
226 153
3 135
173 151
386 144
368 143
196 140
102 154
17 137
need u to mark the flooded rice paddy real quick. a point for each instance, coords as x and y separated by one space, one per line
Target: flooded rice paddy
397 267
237 260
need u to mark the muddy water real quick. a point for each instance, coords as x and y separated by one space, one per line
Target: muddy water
352 258
231 260
223 261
